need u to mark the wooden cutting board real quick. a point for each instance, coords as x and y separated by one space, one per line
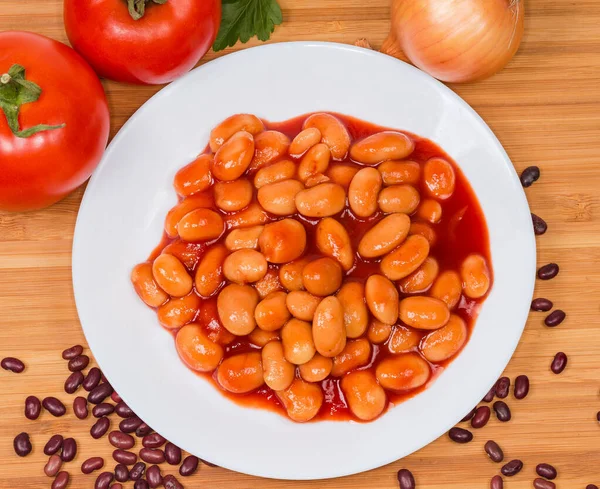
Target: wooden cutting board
544 108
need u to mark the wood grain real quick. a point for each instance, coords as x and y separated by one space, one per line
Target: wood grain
545 109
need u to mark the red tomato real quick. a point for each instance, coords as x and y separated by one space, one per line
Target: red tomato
161 46
39 170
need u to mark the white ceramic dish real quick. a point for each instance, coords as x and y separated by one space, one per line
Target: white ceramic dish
121 220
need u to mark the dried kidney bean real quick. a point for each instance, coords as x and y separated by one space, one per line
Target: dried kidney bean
406 479
116 486
53 465
92 464
72 352
104 480
99 393
22 444
559 363
469 415
591 486
103 409
547 471
529 176
481 417
502 387
61 481
152 455
143 430
543 484
137 471
92 379
489 397
54 444
121 473
123 410
494 451
141 484
78 363
548 271
555 318
541 305
207 463
54 406
12 364
153 440
118 439
99 429
69 449
172 454
496 482
460 435
539 225
116 397
170 482
33 407
512 468
153 476
502 411
521 386
129 425
124 457
80 407
190 465
73 382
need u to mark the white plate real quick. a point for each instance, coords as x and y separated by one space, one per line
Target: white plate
121 220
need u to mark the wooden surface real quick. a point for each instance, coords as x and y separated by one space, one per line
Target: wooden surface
544 108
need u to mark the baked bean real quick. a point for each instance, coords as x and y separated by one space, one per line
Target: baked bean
196 350
243 239
315 180
378 332
252 215
305 140
475 276
241 373
322 276
234 157
423 229
430 210
146 287
356 353
365 397
439 178
278 372
297 341
342 173
245 266
279 198
403 339
268 147
316 369
322 200
302 400
179 311
382 299
302 305
421 279
171 276
399 198
198 201
329 332
276 172
424 312
239 122
395 172
233 196
268 284
406 258
364 191
200 225
209 320
332 240
383 146
402 372
272 313
290 274
444 343
187 253
356 314
236 304
447 287
260 337
315 161
282 241
384 236
194 177
209 274
333 133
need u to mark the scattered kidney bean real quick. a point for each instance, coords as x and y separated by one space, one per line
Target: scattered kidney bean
481 418
72 352
121 473
141 484
61 481
92 379
591 486
152 455
13 364
143 430
530 175
69 450
137 471
502 387
207 463
118 439
92 464
172 454
494 451
460 435
73 382
547 471
153 440
541 305
521 386
124 457
170 482
100 427
559 363
22 445
116 486
512 468
543 484
548 271
555 318
539 225
78 363
123 410
129 425
54 444
496 482
104 480
153 476
52 467
116 397
103 409
54 406
502 411
33 408
598 416
190 465
489 397
406 479
99 393
80 407
469 415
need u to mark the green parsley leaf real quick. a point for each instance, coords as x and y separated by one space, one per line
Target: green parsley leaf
243 19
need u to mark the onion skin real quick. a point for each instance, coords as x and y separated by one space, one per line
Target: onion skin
456 40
